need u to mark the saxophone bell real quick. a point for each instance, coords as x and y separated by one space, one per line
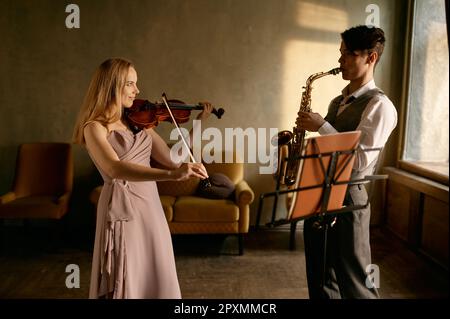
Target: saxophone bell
282 138
282 141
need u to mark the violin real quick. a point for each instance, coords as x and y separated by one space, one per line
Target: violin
144 114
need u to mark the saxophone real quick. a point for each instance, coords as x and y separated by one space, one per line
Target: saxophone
295 139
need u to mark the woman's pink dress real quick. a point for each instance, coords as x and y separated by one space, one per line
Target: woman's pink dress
133 254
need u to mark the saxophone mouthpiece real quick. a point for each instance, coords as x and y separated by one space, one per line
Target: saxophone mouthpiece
335 71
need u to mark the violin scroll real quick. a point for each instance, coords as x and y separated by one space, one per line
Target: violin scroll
219 112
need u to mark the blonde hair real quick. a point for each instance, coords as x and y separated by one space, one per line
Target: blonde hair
102 101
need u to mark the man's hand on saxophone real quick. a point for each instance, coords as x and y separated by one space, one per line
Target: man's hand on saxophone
309 121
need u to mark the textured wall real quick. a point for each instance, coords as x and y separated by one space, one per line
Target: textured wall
249 56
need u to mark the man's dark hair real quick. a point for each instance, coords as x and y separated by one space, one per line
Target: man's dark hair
362 38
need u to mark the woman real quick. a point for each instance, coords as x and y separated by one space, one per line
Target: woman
133 254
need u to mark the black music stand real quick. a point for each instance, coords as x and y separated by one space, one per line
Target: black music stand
323 178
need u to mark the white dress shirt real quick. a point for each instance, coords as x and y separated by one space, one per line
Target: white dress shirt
377 123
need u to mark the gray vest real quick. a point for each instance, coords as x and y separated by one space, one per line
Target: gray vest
349 120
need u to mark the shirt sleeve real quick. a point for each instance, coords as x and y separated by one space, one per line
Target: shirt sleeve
327 128
377 123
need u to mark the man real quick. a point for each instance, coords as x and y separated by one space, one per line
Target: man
364 107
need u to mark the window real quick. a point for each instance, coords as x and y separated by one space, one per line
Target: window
427 123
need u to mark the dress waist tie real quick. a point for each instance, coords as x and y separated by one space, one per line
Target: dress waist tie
113 257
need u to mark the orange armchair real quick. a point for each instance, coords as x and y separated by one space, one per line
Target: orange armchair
42 183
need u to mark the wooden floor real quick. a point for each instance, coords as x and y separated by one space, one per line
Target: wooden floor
209 268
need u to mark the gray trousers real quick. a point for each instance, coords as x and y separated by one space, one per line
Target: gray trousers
348 253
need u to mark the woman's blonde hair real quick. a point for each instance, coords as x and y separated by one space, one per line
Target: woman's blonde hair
103 101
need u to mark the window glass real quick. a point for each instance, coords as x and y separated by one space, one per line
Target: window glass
427 128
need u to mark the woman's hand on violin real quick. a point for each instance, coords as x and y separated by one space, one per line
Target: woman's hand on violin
207 109
189 170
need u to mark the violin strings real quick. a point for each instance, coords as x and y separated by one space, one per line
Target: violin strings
178 128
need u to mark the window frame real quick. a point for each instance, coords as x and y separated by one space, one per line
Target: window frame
415 167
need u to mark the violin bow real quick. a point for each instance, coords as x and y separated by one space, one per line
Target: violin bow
164 98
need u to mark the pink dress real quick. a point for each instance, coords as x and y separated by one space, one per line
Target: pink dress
133 254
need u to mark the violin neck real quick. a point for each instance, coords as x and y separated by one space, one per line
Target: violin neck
186 107
217 112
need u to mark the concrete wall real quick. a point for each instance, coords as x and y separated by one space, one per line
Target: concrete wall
251 57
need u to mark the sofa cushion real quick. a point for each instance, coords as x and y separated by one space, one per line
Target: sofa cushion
234 171
197 209
178 188
221 187
167 204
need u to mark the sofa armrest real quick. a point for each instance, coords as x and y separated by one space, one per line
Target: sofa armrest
95 195
244 194
63 199
8 197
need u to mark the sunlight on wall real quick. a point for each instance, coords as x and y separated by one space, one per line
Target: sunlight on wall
302 59
320 17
